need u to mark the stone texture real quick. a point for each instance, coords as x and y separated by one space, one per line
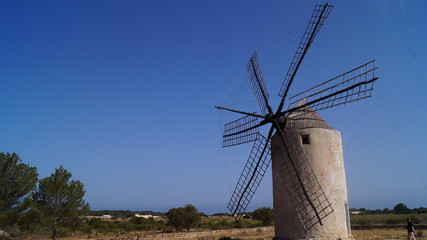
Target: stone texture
184 235
325 156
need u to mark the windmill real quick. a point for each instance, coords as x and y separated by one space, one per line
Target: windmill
292 170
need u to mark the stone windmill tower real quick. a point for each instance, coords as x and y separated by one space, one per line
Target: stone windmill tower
310 196
323 150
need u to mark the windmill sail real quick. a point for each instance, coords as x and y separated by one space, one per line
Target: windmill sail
251 176
259 87
351 86
242 130
318 18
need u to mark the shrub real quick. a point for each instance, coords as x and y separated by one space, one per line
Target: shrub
265 215
415 219
63 231
391 221
361 221
185 217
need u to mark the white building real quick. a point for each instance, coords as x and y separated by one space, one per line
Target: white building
145 216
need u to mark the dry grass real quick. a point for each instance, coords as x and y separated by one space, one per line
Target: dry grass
379 234
373 234
249 233
257 235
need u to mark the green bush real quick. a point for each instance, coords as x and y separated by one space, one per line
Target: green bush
247 223
415 219
147 224
63 231
126 226
215 224
102 226
265 215
392 221
361 221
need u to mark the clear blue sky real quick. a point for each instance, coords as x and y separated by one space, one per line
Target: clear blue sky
122 94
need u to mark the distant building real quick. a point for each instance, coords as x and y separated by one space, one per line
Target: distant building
355 212
145 216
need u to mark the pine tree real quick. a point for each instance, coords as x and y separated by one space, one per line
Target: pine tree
59 198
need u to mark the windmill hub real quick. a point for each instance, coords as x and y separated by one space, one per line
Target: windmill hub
269 118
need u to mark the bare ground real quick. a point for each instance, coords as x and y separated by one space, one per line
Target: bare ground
262 233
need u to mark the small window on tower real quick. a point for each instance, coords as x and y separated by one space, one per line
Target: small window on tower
305 139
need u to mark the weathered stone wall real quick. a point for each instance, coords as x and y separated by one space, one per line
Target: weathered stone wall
324 153
205 235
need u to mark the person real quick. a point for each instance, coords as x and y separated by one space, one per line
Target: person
411 229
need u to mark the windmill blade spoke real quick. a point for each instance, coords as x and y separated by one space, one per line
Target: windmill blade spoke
251 176
301 183
259 87
242 130
320 13
351 86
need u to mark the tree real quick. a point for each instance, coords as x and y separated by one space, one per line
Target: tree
17 180
59 198
386 210
401 208
192 216
265 215
176 218
363 210
186 217
422 210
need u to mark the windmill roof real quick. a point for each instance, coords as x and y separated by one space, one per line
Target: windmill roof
306 118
